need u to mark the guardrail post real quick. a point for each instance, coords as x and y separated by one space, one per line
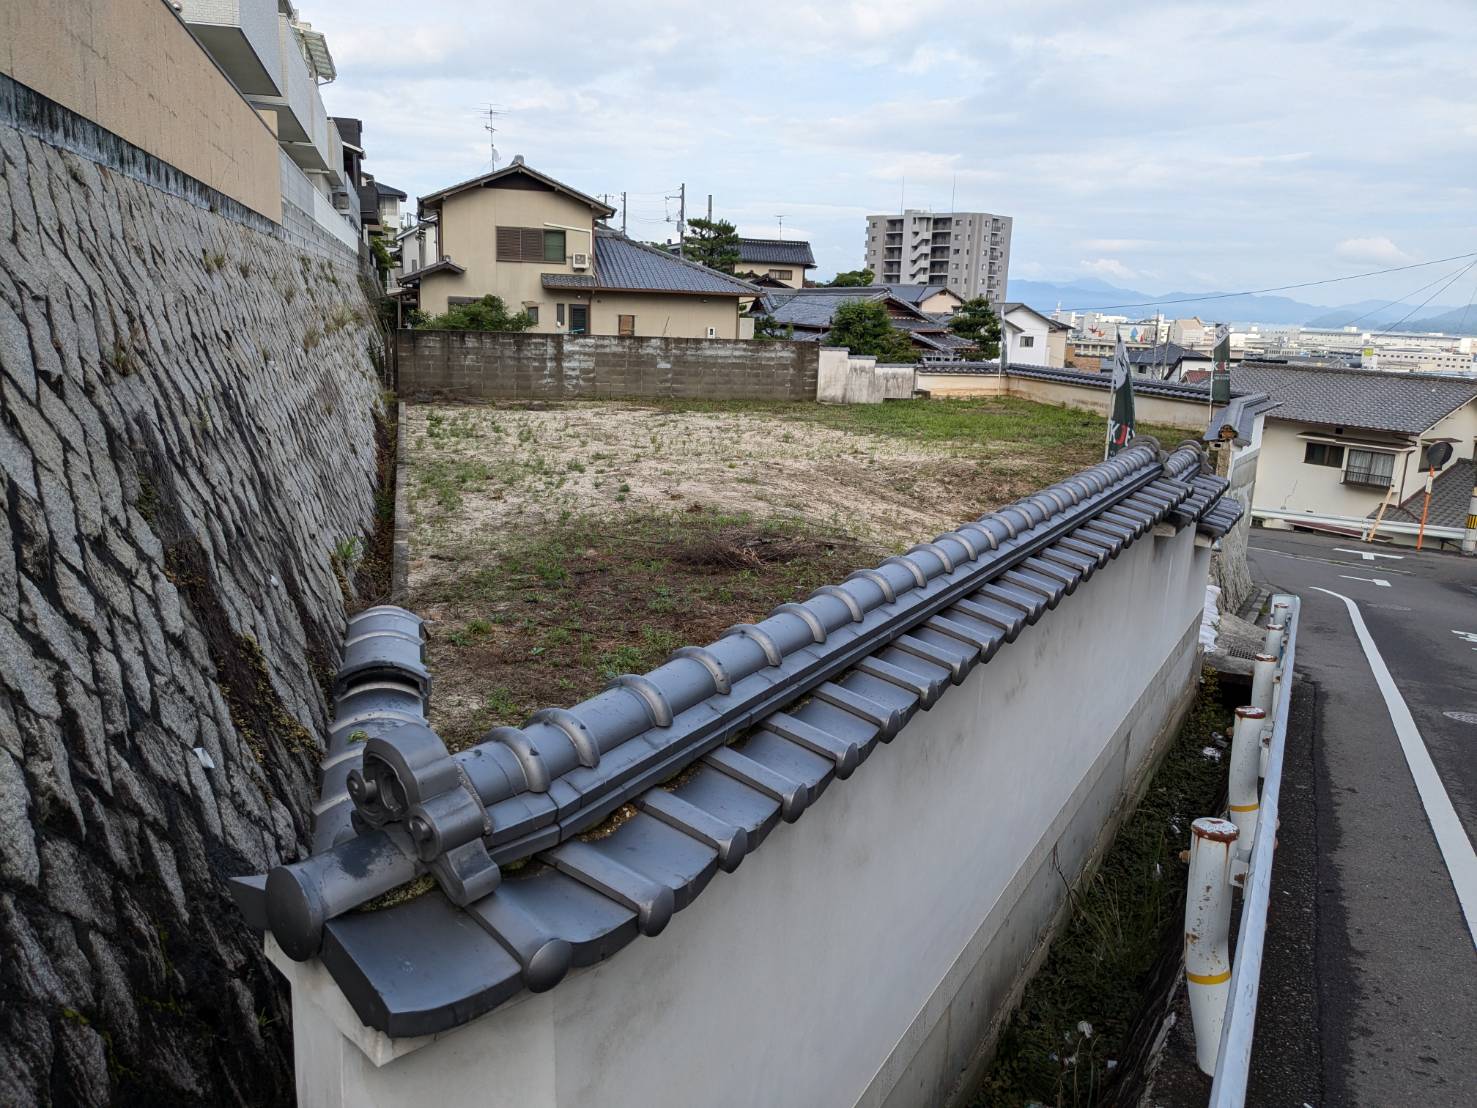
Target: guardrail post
1241 784
1207 933
1273 643
1263 696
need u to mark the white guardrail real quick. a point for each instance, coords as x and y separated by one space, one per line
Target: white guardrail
1236 852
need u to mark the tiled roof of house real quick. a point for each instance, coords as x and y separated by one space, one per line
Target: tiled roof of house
815 307
1169 354
385 190
776 251
623 265
1407 403
445 265
1451 493
601 209
917 294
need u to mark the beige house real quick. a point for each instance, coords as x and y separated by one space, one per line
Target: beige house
1341 442
543 248
933 299
779 261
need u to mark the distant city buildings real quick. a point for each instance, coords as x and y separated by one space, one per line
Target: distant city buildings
968 252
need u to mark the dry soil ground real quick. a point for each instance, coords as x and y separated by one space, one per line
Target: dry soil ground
554 548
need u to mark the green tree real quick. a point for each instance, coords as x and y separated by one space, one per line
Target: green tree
487 314
714 243
863 327
769 329
852 278
977 322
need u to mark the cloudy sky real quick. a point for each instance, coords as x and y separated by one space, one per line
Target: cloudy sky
1155 145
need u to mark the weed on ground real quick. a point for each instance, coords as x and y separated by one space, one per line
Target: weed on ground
1066 1042
558 614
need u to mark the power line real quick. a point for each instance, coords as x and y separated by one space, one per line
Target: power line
1391 329
1402 299
1278 288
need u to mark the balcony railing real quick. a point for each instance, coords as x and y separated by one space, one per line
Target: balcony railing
1369 478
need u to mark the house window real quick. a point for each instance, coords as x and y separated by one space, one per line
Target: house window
559 314
1370 467
529 244
1323 454
454 301
532 311
626 325
782 274
1028 341
579 319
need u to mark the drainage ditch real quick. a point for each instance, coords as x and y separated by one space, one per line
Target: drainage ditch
1090 1020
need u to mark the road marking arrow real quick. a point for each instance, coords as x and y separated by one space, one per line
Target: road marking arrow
1380 581
1370 555
1468 635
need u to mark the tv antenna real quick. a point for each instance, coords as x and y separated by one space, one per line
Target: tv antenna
781 219
492 115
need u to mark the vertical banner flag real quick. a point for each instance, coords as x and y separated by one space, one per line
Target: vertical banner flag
1220 374
1120 410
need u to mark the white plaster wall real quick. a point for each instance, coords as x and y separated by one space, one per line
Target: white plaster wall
812 975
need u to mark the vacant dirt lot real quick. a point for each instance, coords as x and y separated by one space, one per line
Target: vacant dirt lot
554 548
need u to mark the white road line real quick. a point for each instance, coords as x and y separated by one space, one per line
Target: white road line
1370 555
1451 836
1380 581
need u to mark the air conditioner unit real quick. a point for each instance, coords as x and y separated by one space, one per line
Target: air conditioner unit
581 261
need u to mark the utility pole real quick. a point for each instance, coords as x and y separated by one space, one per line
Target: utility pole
682 220
710 207
623 213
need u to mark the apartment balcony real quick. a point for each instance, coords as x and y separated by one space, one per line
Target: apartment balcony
242 36
302 123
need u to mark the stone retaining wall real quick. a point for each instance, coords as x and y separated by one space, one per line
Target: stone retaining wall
188 428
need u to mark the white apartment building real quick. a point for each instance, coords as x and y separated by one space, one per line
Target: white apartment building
968 252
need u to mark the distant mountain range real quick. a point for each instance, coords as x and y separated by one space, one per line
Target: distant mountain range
1094 295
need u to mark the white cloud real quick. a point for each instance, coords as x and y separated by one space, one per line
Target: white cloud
1379 250
1108 267
821 109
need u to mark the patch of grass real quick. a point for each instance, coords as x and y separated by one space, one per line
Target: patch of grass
1064 1043
566 608
985 427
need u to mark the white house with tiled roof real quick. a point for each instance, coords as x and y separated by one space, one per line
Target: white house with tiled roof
1341 442
544 249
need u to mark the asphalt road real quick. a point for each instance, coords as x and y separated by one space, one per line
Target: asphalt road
1369 988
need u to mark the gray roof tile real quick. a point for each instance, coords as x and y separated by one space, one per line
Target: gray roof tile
1451 493
623 264
1408 403
776 251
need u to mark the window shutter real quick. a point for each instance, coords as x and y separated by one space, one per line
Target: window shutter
509 244
533 244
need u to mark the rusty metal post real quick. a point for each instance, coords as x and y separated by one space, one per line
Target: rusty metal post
1207 933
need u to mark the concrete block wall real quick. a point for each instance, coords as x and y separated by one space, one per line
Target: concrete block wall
187 433
867 955
483 365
